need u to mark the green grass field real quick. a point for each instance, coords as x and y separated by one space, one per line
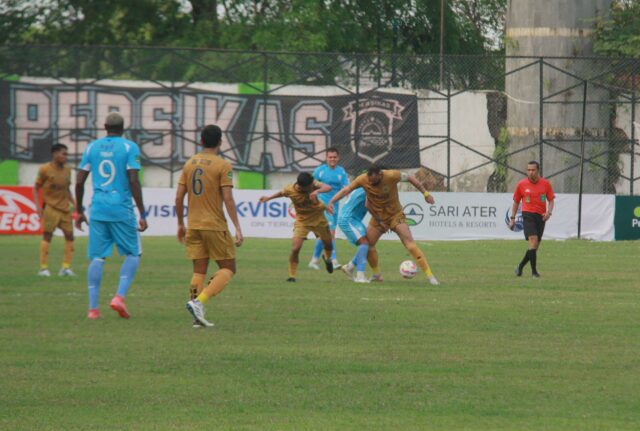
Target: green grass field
484 351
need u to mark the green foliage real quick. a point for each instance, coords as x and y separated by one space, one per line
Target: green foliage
619 36
471 26
500 156
484 351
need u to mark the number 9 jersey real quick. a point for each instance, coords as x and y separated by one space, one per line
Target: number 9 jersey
108 159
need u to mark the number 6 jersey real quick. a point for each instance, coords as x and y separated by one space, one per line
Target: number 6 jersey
108 160
204 175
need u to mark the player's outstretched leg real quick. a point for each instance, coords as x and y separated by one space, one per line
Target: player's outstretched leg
317 251
328 263
195 288
421 260
217 283
127 274
94 276
361 263
44 256
66 270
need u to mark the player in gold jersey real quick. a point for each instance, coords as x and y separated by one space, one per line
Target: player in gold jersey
207 180
54 179
383 202
309 218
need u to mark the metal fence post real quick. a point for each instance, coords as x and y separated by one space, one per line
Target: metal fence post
584 115
265 96
448 75
541 119
634 79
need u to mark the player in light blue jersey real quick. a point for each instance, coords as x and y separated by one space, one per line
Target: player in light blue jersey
350 222
335 176
114 163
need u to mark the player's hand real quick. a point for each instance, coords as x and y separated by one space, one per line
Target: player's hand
430 199
330 209
546 216
264 199
314 196
512 224
182 233
79 220
142 225
239 239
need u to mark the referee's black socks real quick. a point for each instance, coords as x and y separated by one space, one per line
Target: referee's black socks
533 257
525 260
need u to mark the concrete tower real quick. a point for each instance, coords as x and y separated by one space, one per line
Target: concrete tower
554 28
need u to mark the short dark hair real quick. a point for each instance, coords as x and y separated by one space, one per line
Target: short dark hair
211 136
58 147
114 123
304 179
533 162
333 150
374 170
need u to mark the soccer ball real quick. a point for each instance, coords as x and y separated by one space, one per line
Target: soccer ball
408 269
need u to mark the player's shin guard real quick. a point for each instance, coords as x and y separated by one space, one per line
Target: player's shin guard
94 275
333 250
68 254
421 261
216 285
361 257
317 249
372 258
127 273
44 254
197 284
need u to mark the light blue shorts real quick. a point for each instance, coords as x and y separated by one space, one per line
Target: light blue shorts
353 229
104 234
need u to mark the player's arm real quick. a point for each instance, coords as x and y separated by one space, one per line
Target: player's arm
273 196
81 178
514 211
415 183
136 192
550 206
320 188
551 198
36 199
342 193
230 205
180 193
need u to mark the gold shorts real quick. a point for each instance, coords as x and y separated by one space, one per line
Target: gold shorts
215 245
321 230
392 222
53 218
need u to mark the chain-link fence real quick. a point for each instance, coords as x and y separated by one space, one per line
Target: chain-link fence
461 123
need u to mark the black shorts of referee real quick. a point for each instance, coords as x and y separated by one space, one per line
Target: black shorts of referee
533 225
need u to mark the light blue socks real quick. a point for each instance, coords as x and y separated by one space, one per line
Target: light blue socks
360 259
94 275
127 273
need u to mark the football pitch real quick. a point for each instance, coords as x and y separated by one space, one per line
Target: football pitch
484 351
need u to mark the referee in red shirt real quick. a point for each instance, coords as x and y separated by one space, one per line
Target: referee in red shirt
537 199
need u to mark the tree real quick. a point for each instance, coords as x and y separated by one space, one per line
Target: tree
619 36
